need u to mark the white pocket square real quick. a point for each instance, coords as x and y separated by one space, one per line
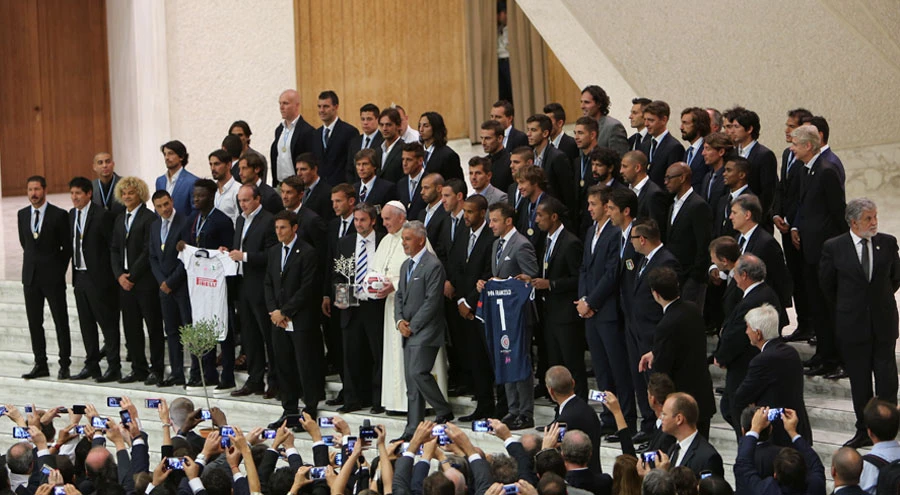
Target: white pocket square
416 278
506 259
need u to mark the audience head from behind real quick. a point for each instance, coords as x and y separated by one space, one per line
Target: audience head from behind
552 484
100 465
458 479
437 484
576 449
882 420
548 461
281 480
685 480
217 481
20 458
747 423
560 384
846 467
664 285
790 469
659 387
504 469
679 415
626 480
658 482
762 325
714 485
179 410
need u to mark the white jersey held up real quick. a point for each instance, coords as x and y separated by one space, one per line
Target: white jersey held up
206 272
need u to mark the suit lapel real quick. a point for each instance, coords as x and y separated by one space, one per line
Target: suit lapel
852 255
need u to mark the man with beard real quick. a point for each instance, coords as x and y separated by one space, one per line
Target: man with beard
694 128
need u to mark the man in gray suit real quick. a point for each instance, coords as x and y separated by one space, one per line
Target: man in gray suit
480 177
513 256
419 312
611 132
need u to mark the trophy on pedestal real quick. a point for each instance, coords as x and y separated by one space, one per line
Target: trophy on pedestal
345 293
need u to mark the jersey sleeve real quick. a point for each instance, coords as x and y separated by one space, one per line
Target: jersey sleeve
186 254
480 307
229 266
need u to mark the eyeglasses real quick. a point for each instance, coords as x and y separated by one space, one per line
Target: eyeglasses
670 177
636 236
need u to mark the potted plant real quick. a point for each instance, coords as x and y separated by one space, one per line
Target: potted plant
200 338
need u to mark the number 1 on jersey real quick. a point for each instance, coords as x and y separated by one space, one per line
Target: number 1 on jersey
502 314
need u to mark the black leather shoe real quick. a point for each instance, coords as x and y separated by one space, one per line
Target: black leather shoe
838 374
245 391
37 372
819 370
152 379
274 425
86 373
447 418
337 401
478 413
640 437
612 438
522 423
813 361
508 420
224 386
606 429
349 408
395 414
859 441
110 376
132 377
195 382
813 341
377 409
171 381
63 373
402 438
798 336
271 393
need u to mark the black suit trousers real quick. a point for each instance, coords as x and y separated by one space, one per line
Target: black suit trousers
334 340
256 338
299 358
822 317
795 264
363 349
565 346
861 361
34 310
97 306
636 348
457 354
480 365
139 307
610 359
176 311
733 379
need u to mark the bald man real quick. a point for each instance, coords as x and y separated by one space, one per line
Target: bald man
688 232
293 136
846 468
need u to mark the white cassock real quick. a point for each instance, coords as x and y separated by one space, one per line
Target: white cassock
388 258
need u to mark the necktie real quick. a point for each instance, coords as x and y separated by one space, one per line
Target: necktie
673 459
865 259
500 249
37 221
741 243
547 255
471 245
412 266
712 177
644 264
284 257
538 161
343 228
790 161
164 231
78 234
453 230
652 148
366 144
412 189
306 192
362 267
427 157
690 155
325 137
127 224
363 193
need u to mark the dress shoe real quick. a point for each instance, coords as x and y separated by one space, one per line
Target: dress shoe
612 438
110 376
37 372
402 438
377 409
349 408
819 370
395 414
476 414
86 373
813 361
522 423
271 393
607 428
642 447
245 391
171 381
152 379
446 419
640 437
63 373
813 341
132 377
839 373
859 440
195 382
798 336
274 425
508 420
337 401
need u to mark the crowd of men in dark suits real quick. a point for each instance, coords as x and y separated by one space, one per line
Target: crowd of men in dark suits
637 248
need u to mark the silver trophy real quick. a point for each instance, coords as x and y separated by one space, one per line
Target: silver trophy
345 294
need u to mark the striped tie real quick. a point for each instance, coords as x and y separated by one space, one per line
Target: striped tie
361 265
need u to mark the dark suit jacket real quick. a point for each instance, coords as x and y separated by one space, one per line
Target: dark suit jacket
516 138
459 240
435 230
787 195
183 194
598 484
256 243
833 158
464 273
293 290
560 180
95 245
567 145
721 220
333 229
164 264
598 281
701 456
114 205
311 228
578 415
775 379
217 231
562 271
699 169
346 247
501 174
660 441
319 200
333 159
749 481
270 199
643 145
734 350
354 146
764 246
392 168
645 312
134 244
667 152
653 202
302 140
46 258
712 191
413 204
821 213
763 176
443 160
865 311
679 350
688 238
382 192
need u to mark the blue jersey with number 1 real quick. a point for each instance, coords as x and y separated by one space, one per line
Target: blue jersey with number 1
502 308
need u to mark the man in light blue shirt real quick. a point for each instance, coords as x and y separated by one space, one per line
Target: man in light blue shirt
882 421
